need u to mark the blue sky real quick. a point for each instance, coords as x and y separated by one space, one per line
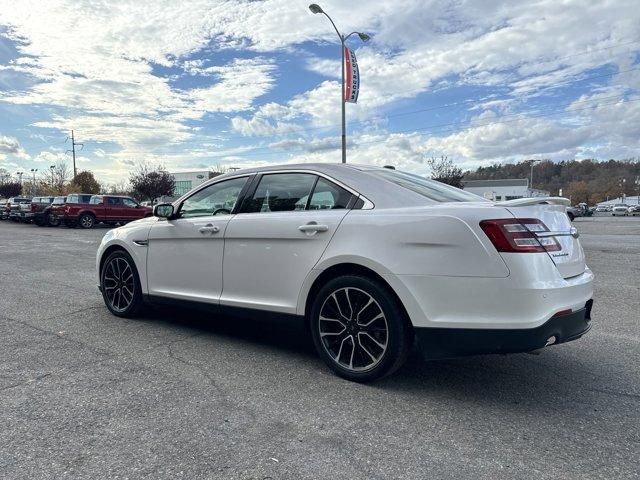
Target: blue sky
237 83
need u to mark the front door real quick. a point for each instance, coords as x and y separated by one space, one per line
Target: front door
277 239
184 257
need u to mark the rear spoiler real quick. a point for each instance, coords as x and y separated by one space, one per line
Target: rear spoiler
522 202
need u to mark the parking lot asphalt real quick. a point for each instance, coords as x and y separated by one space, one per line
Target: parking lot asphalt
183 394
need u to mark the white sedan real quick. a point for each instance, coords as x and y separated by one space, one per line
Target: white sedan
369 258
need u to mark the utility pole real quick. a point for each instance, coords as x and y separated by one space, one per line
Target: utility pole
73 151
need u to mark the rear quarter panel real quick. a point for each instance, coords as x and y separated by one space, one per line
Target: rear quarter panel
421 241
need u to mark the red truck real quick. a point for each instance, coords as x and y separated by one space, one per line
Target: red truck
109 209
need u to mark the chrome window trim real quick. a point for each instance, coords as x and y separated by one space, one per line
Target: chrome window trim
368 204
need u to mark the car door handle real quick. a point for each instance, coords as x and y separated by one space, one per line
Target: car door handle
209 229
313 227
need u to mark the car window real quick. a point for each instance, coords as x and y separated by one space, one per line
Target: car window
94 200
112 201
58 200
328 196
281 192
431 189
217 199
129 203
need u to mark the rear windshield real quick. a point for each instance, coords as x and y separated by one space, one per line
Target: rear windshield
432 189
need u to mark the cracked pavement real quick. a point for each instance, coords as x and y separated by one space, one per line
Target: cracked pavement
184 394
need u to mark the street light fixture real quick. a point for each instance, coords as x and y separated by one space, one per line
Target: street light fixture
52 168
315 8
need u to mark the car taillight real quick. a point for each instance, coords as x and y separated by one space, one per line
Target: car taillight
518 235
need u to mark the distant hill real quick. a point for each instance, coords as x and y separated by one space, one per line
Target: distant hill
588 181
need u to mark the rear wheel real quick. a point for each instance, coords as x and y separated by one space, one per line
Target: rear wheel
120 285
54 221
86 220
359 329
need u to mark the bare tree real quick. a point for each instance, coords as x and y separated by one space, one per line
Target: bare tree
443 170
60 177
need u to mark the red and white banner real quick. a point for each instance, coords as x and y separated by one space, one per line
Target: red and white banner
352 77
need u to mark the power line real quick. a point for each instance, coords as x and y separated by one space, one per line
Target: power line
421 110
442 127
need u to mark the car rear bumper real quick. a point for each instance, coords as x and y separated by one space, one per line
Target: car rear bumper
439 343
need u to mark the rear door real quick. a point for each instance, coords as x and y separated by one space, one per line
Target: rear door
569 259
277 239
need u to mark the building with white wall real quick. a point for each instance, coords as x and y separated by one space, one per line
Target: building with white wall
185 181
630 200
500 190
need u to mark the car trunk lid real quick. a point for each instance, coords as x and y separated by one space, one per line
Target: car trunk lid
569 259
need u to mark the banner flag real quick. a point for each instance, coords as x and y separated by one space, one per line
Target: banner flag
352 77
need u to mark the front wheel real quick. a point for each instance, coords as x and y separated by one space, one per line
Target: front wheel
120 285
359 329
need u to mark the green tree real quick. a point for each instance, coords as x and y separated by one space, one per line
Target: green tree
10 189
84 182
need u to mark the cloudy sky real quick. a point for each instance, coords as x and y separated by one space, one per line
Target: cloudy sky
196 84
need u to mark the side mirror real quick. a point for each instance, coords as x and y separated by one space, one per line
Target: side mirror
163 210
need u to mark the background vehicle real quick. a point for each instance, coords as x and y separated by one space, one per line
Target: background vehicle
580 210
110 209
3 207
68 214
634 210
601 208
620 210
368 257
13 207
32 212
54 214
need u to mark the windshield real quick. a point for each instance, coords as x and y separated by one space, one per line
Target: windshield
432 189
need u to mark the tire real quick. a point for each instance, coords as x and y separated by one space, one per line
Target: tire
53 221
86 220
352 338
118 277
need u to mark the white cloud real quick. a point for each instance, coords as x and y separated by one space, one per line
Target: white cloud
97 64
10 146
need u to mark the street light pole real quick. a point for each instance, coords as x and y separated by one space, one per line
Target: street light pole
315 8
533 162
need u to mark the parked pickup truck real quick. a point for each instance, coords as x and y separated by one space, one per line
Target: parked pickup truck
65 209
13 208
110 209
51 215
32 212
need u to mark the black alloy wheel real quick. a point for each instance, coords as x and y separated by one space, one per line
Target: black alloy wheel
120 285
359 329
